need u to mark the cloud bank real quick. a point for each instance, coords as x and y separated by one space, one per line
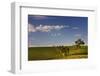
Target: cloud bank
44 28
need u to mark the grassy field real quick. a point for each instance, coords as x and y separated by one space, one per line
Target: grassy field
48 53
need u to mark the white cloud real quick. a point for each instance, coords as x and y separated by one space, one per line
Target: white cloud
31 28
44 28
58 27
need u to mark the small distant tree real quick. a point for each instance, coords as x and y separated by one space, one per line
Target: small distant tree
79 42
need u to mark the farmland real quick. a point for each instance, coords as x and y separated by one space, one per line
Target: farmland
50 53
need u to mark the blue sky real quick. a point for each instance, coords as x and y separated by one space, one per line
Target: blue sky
56 30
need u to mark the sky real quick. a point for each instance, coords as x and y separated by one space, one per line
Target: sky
56 30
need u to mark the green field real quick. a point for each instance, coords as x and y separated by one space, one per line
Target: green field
49 53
